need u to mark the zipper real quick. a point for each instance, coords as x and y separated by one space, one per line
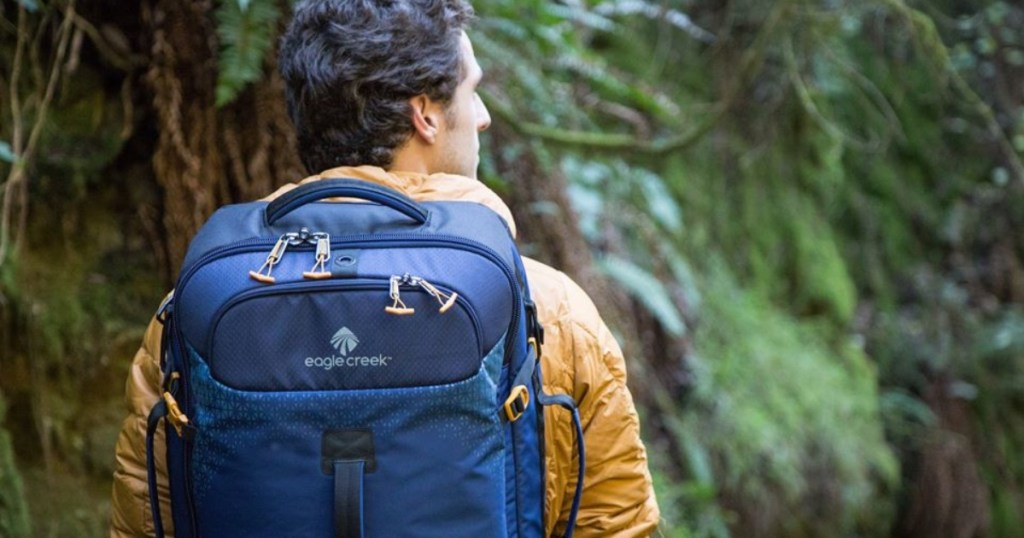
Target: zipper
189 500
334 285
373 240
179 359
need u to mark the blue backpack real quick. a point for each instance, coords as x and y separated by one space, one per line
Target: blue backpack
353 369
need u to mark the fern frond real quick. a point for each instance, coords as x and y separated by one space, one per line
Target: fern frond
246 32
646 288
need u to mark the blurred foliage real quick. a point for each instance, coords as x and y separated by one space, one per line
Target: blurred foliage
824 198
997 379
783 405
817 168
14 520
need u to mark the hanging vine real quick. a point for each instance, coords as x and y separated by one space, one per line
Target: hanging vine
28 111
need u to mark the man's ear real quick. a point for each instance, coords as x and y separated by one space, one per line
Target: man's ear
426 117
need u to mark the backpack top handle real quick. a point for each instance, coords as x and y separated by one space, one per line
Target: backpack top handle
344 188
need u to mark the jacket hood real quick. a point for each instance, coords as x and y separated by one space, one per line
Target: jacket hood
419 187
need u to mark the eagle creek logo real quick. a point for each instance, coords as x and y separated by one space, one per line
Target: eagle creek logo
345 341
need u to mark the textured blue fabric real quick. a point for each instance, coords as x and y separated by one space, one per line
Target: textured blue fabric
439 454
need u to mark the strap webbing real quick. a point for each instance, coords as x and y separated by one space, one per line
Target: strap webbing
523 377
158 412
348 499
525 370
569 404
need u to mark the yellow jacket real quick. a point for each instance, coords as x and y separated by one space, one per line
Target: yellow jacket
580 358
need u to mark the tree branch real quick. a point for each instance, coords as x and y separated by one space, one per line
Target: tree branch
750 62
597 139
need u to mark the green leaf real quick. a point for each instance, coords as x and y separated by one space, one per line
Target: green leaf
662 205
648 290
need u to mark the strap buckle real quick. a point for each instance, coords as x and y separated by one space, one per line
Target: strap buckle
178 419
517 403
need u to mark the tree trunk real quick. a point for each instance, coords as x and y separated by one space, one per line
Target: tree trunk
205 156
947 497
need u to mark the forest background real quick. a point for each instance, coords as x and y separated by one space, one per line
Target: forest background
803 219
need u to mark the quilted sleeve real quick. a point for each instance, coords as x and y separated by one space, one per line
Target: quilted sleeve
130 514
581 358
618 496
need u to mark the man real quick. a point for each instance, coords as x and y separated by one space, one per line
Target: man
385 91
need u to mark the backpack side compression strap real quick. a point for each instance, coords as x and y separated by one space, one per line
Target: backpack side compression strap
567 403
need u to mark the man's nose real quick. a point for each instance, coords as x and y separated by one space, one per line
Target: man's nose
482 115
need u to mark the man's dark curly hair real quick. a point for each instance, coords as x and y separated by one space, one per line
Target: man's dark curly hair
351 66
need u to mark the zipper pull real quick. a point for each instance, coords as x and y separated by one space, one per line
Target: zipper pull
323 253
275 256
398 308
446 301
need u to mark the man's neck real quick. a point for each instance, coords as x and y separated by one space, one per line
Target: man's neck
408 158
